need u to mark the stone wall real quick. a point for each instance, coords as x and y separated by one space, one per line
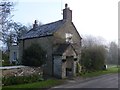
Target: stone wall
22 71
59 37
46 44
68 27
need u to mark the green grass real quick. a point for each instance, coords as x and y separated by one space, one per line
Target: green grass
111 65
98 73
43 84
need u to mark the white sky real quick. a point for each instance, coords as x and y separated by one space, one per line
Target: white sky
91 17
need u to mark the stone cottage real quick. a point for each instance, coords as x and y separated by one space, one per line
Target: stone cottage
61 41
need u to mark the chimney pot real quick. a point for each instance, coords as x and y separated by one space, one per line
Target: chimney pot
66 5
35 24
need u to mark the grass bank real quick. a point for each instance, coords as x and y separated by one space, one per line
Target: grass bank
37 85
98 73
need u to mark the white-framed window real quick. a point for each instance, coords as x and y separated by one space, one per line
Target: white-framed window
68 37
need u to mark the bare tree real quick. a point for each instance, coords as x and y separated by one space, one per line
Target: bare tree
17 30
89 41
5 18
113 53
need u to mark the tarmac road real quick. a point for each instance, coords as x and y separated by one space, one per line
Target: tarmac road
104 81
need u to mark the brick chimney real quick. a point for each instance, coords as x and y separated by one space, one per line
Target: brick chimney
35 24
67 13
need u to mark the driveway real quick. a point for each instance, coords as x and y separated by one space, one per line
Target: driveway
104 81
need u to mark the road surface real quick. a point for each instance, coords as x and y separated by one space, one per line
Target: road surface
104 81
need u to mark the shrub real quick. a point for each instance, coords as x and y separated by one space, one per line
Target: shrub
78 67
5 58
34 56
13 80
93 58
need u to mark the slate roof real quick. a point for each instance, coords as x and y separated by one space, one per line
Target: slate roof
62 48
43 30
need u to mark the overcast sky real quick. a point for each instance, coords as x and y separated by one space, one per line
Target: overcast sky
91 17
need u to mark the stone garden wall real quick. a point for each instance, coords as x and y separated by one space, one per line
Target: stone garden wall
22 71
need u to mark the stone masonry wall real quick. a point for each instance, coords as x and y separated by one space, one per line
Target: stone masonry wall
23 71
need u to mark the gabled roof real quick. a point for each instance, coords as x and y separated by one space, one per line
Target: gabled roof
62 48
43 30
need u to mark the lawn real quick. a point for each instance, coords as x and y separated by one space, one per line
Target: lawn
98 73
33 86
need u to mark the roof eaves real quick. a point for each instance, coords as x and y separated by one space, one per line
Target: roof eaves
36 37
76 30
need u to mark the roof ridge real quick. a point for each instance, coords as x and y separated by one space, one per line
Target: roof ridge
52 22
46 24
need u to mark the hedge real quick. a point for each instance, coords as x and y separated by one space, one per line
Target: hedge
14 80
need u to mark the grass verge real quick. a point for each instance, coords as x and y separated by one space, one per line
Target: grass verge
33 86
98 73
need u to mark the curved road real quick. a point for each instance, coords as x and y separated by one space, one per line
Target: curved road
104 81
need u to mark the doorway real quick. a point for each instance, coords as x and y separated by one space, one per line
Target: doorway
69 66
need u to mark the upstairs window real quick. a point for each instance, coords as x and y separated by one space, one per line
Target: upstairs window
68 37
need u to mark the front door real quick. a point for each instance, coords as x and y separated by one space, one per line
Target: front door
69 66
